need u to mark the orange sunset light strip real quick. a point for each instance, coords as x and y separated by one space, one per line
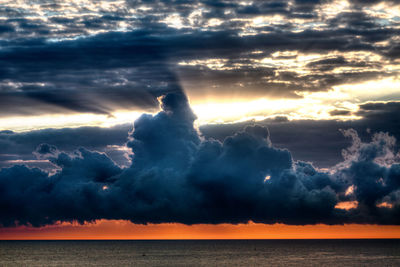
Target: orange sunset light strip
119 229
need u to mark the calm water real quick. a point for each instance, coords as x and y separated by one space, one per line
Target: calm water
201 253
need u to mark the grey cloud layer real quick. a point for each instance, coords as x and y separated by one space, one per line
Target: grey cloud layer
177 176
89 62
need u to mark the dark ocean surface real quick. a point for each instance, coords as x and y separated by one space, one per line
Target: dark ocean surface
201 253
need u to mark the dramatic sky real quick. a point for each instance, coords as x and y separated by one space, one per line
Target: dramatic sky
199 112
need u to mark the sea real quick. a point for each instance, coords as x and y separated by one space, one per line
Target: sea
381 252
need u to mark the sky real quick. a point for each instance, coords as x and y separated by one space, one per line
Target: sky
255 116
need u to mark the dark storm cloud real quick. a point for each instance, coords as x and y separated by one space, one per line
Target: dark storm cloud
123 58
95 75
120 70
178 176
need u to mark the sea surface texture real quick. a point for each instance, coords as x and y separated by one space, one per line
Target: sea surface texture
201 253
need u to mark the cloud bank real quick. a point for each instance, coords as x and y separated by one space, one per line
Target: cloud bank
177 175
103 56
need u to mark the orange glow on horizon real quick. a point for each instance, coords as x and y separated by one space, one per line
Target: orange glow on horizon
119 229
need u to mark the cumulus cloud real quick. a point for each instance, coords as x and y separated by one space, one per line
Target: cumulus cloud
177 175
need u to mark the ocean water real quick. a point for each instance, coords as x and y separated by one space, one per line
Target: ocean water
201 253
